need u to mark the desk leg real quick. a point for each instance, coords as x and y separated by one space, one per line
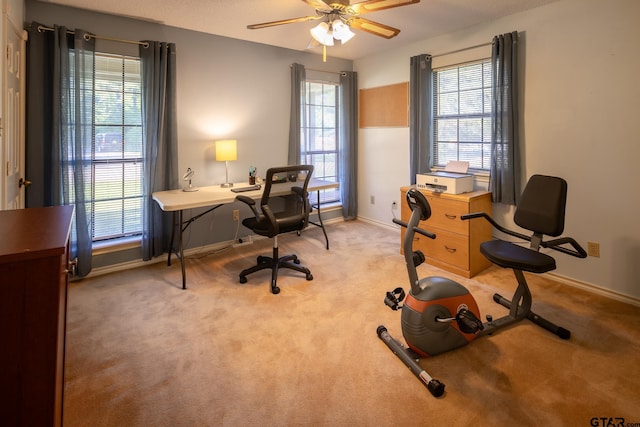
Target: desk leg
182 226
180 251
173 234
321 225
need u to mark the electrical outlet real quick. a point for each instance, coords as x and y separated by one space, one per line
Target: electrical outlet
242 242
593 249
372 200
236 215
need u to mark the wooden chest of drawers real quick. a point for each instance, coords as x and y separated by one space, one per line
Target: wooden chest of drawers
456 247
34 252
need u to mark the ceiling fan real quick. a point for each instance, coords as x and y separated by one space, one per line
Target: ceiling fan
339 16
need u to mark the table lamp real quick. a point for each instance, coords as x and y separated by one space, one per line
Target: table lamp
225 151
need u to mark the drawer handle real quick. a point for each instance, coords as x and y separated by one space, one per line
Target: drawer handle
452 250
73 266
451 216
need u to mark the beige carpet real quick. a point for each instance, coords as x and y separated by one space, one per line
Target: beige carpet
143 352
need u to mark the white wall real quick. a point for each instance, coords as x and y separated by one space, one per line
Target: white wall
579 111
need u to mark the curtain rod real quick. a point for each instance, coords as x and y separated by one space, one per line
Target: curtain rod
113 39
321 71
462 50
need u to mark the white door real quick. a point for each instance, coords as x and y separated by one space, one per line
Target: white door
12 125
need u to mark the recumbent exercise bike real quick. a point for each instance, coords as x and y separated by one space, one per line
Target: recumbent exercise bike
440 315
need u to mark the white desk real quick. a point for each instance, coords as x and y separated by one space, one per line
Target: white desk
214 196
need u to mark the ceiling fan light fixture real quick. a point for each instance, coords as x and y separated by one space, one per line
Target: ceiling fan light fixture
323 34
342 32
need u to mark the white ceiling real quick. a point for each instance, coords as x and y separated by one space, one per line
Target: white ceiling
230 18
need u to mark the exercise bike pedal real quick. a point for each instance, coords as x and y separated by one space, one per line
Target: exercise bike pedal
394 298
468 322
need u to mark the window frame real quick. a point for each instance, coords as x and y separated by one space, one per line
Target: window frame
307 154
127 159
485 117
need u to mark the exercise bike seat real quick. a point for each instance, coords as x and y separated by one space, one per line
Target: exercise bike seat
509 255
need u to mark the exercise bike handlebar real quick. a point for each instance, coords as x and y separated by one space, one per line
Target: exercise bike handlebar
495 224
577 251
415 229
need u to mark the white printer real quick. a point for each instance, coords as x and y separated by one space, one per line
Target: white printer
452 180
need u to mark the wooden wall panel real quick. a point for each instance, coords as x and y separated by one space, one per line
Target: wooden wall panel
384 106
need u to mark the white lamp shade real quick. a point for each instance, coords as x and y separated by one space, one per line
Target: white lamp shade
342 32
226 150
322 34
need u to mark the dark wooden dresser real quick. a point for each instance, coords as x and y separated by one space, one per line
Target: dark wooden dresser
34 257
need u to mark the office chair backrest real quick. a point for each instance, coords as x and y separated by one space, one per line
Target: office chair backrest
542 205
295 175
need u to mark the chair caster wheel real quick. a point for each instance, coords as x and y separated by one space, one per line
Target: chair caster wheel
309 277
296 261
243 279
275 290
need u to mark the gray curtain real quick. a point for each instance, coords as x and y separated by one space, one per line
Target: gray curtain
60 127
349 144
420 115
504 182
297 120
39 113
159 133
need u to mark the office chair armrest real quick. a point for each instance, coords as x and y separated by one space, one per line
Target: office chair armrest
495 224
271 220
577 251
304 195
249 202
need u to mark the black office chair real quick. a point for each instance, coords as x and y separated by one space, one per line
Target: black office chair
280 213
541 210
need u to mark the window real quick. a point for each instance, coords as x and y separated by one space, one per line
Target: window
462 114
320 136
117 148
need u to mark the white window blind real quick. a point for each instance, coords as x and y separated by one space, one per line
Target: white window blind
462 114
117 172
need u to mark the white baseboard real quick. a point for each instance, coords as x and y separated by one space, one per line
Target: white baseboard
618 296
379 223
163 258
224 245
215 247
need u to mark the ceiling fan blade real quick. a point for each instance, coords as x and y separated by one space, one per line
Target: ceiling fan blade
318 5
372 27
375 5
284 21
